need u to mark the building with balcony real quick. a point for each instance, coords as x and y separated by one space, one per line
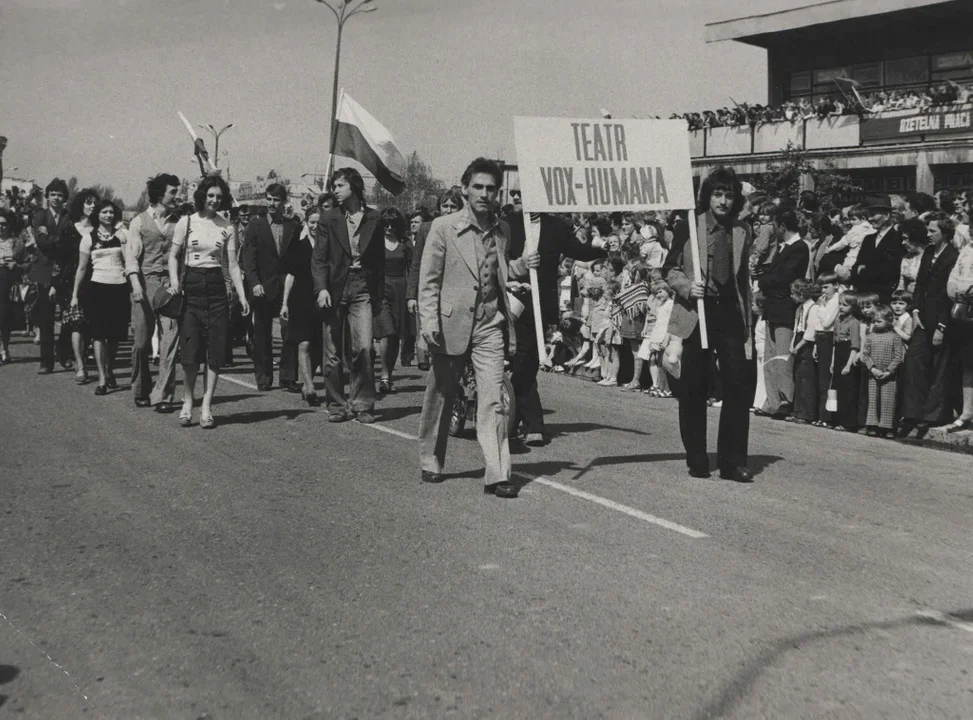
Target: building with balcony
883 45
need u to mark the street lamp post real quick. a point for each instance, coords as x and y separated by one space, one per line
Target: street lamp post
216 140
3 146
346 10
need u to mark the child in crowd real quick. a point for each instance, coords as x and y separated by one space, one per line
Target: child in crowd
852 241
566 342
903 323
882 354
847 345
866 313
824 342
594 320
759 338
606 336
654 336
635 304
806 321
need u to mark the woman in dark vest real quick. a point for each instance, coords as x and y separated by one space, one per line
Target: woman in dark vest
303 321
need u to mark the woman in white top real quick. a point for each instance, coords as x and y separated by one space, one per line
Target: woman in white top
202 245
106 303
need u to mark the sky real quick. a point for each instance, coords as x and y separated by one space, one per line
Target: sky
91 87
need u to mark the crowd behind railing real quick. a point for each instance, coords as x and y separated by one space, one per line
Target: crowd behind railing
852 102
614 311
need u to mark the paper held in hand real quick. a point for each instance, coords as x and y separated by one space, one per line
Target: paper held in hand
584 165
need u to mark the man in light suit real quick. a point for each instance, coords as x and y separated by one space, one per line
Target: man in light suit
463 312
724 252
264 245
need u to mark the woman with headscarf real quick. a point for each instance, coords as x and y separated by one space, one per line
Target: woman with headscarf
202 244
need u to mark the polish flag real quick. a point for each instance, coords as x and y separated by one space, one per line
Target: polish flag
361 137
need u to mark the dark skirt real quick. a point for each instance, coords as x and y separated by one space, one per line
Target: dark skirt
847 387
928 379
824 342
805 384
304 324
205 322
394 320
107 311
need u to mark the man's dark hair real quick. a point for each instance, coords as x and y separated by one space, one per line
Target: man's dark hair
324 197
946 224
13 221
155 188
482 165
617 263
722 178
921 202
421 213
354 180
56 185
199 197
76 209
809 201
455 194
276 190
787 219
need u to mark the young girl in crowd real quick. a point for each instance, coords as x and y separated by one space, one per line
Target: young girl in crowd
867 303
882 354
806 321
607 338
594 316
847 345
654 338
824 342
852 241
901 306
566 343
634 316
759 344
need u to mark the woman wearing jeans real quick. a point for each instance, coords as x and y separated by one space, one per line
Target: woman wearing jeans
202 244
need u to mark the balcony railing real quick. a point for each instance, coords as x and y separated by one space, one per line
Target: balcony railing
837 132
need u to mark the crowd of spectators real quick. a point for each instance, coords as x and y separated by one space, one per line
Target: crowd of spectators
852 102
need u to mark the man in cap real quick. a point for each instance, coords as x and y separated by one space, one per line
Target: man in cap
879 262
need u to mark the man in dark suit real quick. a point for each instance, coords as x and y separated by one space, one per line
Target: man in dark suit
264 245
789 264
879 262
724 249
928 367
553 239
47 225
348 267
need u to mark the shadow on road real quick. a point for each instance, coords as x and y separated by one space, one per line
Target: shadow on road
561 429
223 399
757 463
725 703
7 674
255 416
386 414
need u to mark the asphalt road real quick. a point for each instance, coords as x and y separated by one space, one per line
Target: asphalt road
282 567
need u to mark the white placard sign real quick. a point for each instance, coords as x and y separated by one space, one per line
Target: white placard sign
578 165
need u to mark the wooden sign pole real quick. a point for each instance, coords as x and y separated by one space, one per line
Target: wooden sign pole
698 268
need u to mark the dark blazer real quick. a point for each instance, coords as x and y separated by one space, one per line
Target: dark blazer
259 259
788 265
332 256
47 235
680 273
556 239
929 296
412 286
877 269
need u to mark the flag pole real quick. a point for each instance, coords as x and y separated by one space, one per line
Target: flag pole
334 135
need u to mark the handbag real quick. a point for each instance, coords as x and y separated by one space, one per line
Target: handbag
163 302
960 312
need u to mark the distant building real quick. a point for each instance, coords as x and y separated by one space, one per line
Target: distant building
883 45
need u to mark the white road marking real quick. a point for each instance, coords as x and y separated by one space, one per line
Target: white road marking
597 499
944 619
238 381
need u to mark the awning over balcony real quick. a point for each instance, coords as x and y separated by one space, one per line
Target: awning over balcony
765 30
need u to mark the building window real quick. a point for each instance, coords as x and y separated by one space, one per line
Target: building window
801 83
869 75
907 71
825 77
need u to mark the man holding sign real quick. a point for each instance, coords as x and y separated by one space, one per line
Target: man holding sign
720 274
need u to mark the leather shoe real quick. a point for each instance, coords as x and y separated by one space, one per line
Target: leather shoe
291 387
142 402
428 476
165 407
737 474
45 371
264 387
699 473
535 439
505 490
365 417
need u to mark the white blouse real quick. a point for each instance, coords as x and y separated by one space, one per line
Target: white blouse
208 239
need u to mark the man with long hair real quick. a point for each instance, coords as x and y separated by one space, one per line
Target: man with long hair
348 267
724 251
